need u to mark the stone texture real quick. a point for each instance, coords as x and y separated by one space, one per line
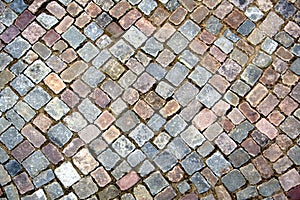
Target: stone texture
149 99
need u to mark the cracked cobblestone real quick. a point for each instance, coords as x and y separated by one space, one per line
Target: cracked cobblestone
149 99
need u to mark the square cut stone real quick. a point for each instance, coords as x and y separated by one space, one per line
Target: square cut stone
143 109
67 174
105 120
46 20
218 164
7 99
189 29
75 121
233 180
88 52
24 110
37 98
271 24
93 31
156 182
93 77
37 71
101 176
177 43
84 161
135 37
225 143
113 68
200 76
165 160
147 6
123 146
208 96
35 163
89 110
55 83
177 74
122 50
175 126
56 108
152 47
178 148
11 138
192 137
108 159
141 134
33 32
73 37
144 82
59 134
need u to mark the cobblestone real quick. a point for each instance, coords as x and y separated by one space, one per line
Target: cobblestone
149 99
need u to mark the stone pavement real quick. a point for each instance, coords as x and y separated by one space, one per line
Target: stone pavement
149 99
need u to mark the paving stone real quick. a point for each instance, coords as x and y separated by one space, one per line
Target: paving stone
8 16
43 178
141 134
11 192
200 76
56 108
254 13
47 21
11 138
127 121
17 47
177 42
269 188
233 180
213 25
108 159
271 18
123 146
59 134
208 96
239 157
101 177
122 51
89 110
178 148
189 29
117 107
152 47
146 168
240 132
35 163
201 184
192 163
121 170
67 174
293 154
73 37
156 183
183 187
218 164
52 153
23 183
144 83
37 71
135 37
88 52
13 167
156 71
85 187
251 174
251 74
54 190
